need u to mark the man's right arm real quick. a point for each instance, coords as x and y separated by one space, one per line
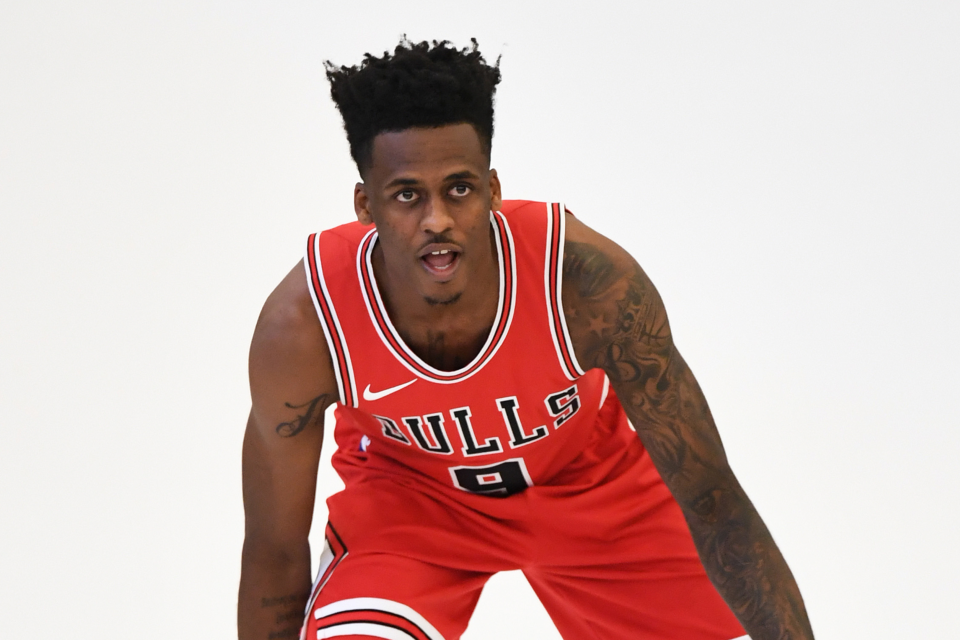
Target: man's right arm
291 384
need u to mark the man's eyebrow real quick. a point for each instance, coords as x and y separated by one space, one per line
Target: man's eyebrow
401 182
410 182
463 175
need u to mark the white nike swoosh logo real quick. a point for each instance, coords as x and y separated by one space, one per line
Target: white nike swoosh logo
376 395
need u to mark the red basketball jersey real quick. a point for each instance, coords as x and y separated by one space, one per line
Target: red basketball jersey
522 414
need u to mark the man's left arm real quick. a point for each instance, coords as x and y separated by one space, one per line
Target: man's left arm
618 323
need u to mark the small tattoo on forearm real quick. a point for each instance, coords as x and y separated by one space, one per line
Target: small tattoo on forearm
295 614
278 601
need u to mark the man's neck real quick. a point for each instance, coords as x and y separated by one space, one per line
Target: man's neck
447 334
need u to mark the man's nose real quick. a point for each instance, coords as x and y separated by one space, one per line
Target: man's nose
436 217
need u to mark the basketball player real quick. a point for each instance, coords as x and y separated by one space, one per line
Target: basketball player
485 356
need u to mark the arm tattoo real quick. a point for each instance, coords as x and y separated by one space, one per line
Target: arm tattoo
289 618
618 323
312 414
624 329
282 601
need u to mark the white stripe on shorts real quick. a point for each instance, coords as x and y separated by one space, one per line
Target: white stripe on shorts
370 629
363 629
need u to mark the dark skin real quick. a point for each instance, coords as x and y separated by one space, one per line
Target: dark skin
430 191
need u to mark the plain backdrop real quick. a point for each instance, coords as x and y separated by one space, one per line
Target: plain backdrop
788 174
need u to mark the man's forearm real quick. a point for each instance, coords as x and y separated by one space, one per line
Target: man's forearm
274 587
746 566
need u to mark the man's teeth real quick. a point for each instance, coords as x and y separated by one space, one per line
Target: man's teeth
441 253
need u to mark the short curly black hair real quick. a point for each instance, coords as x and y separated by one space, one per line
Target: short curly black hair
422 84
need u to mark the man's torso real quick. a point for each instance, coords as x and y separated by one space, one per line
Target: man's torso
522 413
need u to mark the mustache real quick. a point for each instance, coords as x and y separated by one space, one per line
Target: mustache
439 238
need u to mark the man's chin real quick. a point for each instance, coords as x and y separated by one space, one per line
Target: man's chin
442 300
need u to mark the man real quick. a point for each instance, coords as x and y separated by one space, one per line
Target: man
485 356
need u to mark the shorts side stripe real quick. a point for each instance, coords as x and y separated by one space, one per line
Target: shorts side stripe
334 551
372 630
364 611
375 623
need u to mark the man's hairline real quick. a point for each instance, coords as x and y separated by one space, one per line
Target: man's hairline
485 147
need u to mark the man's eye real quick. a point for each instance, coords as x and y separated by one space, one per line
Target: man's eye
460 190
406 196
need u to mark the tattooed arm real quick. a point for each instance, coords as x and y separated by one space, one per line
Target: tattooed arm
618 323
291 383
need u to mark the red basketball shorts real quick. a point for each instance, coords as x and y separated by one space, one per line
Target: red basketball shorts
612 560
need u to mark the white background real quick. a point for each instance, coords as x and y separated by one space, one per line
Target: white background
787 173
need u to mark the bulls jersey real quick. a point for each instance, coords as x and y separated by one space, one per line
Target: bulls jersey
518 415
425 454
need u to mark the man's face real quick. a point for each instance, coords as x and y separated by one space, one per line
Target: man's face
430 193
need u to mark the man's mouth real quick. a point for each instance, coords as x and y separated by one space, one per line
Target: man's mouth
441 261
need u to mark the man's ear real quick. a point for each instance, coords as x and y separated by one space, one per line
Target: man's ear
361 204
496 200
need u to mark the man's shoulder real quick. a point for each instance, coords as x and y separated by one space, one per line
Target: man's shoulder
288 321
289 359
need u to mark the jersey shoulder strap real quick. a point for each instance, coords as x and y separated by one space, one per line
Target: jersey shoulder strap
330 261
539 229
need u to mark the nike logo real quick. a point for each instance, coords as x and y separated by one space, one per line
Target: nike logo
376 395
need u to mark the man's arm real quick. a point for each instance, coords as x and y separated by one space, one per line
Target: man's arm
618 323
291 383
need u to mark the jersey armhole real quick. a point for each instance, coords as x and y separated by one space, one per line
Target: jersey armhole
553 282
323 304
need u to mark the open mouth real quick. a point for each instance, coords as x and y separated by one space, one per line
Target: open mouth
440 262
